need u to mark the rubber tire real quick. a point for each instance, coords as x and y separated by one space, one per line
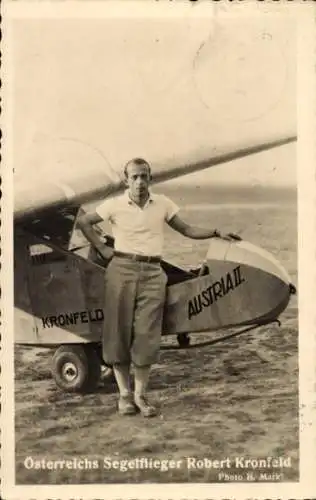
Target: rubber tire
87 363
183 340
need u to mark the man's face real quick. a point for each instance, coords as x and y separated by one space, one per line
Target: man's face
138 180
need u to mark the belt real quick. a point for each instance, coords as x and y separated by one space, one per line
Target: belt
139 258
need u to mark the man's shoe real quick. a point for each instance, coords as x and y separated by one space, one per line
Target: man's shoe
126 405
146 409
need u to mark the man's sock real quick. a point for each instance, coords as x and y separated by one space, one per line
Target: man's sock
141 377
122 377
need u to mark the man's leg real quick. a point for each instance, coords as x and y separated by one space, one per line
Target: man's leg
141 376
147 331
122 377
141 379
126 404
120 293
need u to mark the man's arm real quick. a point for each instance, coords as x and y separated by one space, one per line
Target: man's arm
196 233
86 223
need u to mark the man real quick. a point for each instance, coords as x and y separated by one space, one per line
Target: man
135 282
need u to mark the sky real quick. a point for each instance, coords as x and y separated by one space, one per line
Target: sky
95 92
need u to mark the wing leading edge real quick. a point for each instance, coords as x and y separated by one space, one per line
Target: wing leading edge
50 195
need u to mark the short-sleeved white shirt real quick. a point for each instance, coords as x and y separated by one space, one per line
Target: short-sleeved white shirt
138 230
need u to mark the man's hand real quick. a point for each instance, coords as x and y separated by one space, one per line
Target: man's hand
227 237
216 234
105 253
234 236
231 237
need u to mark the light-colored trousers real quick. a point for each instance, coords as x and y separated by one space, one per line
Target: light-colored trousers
134 301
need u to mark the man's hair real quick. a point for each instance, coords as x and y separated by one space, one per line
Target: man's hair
137 161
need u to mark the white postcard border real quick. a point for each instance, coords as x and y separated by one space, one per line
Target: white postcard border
307 253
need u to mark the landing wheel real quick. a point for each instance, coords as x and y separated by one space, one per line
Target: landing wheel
183 339
76 368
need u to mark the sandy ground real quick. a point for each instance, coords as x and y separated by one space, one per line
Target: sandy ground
235 399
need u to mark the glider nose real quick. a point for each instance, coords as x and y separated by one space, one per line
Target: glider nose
267 287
